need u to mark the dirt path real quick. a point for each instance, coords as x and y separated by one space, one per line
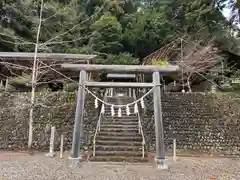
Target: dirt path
39 167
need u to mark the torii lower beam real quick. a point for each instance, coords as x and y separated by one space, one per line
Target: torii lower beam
119 84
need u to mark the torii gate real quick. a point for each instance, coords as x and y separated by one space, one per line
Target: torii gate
79 119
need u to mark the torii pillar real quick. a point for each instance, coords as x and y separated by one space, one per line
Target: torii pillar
159 132
75 158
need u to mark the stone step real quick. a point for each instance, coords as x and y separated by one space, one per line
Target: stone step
116 110
123 113
118 129
120 118
119 148
103 123
109 115
123 121
120 126
119 97
112 133
118 143
121 101
119 153
119 138
119 159
112 97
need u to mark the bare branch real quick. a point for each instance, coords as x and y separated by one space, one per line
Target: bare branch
16 38
15 66
70 5
58 72
25 43
11 72
62 42
76 25
202 75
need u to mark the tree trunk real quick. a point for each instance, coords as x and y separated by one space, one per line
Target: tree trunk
34 81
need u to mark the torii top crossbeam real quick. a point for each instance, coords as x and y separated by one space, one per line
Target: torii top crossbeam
122 68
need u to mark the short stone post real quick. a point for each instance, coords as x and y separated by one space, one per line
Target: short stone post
6 85
51 145
111 92
130 92
1 85
61 146
174 150
213 88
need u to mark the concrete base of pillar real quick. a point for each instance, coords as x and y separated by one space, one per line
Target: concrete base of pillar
74 162
161 164
50 154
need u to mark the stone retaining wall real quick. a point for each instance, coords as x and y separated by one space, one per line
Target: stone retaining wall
197 125
56 109
200 123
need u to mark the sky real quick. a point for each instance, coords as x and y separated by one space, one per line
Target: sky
226 12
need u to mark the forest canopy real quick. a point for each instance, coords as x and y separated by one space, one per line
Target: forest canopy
122 31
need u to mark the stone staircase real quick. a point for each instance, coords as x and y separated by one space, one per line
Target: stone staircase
119 138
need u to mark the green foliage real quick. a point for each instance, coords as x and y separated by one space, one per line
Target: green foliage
106 35
70 87
21 18
14 24
122 58
24 79
160 62
119 31
148 32
234 81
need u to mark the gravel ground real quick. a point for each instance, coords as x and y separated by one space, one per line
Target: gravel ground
40 167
